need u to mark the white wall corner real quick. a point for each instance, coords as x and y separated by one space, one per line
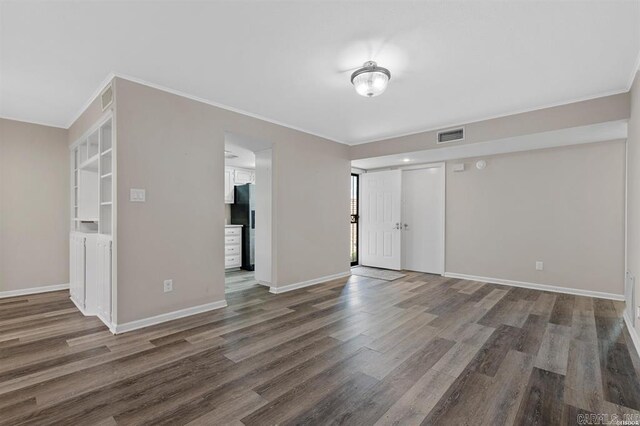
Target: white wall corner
33 290
302 284
169 316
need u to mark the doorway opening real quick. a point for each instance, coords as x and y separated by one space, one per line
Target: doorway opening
355 188
248 215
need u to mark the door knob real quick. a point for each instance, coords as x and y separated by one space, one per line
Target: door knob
406 226
398 225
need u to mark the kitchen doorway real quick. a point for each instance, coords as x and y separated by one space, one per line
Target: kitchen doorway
248 213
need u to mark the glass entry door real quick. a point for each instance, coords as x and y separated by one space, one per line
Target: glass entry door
354 218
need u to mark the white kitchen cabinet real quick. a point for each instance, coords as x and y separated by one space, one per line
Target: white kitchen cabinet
229 183
232 246
103 278
234 176
244 176
77 270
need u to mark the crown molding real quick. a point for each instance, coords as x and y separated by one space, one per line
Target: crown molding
219 105
93 97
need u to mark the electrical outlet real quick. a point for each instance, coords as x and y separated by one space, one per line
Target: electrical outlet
539 266
168 286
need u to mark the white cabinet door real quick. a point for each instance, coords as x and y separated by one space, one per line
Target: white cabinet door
77 273
244 176
229 180
381 219
104 278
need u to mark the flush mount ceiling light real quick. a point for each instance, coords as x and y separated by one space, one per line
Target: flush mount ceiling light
370 80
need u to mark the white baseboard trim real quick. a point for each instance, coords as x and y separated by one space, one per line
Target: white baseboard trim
33 290
80 308
146 322
295 286
112 327
92 314
533 286
632 332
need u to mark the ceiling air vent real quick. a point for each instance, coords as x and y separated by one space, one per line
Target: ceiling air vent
452 135
106 97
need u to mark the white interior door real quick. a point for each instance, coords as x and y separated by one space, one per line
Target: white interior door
380 218
423 198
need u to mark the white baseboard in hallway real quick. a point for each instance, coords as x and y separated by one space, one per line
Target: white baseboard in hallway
33 290
533 286
295 286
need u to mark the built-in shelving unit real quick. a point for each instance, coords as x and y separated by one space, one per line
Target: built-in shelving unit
92 218
106 178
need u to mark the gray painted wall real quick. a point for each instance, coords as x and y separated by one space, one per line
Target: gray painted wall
563 206
34 206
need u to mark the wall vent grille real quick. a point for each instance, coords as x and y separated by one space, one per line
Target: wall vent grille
452 135
106 97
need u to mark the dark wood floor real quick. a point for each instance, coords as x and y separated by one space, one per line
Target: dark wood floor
420 350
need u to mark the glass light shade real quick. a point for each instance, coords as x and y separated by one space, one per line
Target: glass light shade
370 80
370 84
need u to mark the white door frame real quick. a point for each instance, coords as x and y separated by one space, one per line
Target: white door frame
444 203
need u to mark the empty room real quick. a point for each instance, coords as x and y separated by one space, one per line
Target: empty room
319 212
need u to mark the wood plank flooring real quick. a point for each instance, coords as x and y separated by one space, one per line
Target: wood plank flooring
359 351
239 280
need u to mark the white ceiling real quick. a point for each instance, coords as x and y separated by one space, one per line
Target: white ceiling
451 62
245 158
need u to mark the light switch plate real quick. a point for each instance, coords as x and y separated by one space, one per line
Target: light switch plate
138 195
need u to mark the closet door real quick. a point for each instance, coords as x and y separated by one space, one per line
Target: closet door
423 205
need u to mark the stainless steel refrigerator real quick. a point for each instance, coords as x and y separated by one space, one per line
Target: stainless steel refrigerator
243 212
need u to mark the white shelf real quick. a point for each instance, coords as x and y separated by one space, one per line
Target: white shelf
105 176
89 164
87 220
107 151
107 203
